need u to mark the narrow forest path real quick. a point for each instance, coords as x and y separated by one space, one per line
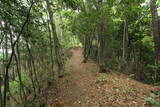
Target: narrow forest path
82 86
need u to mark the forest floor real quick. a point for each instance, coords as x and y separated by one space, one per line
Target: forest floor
83 86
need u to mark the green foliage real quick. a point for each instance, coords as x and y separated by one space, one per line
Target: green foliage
15 85
14 88
153 67
80 19
47 77
147 49
1 56
152 100
152 74
74 4
102 77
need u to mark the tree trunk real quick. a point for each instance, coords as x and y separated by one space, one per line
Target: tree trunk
125 41
88 46
51 48
6 82
6 77
18 68
2 35
61 26
33 65
155 29
101 48
1 100
57 46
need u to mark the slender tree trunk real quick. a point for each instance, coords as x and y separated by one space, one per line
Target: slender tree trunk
21 86
2 35
6 82
88 46
31 77
1 99
18 69
101 48
6 60
33 65
156 33
61 25
85 48
51 47
57 46
125 41
12 54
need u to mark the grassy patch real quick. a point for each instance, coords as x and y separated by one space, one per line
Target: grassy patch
102 77
152 100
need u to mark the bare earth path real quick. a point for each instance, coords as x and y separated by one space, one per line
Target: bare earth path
84 87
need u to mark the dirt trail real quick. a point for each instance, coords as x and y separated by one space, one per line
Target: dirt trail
82 86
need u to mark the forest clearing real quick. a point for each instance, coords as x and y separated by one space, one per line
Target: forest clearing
79 53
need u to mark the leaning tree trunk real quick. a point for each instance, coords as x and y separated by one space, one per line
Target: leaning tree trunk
57 46
156 33
18 68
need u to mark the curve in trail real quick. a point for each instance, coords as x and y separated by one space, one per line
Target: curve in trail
82 86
